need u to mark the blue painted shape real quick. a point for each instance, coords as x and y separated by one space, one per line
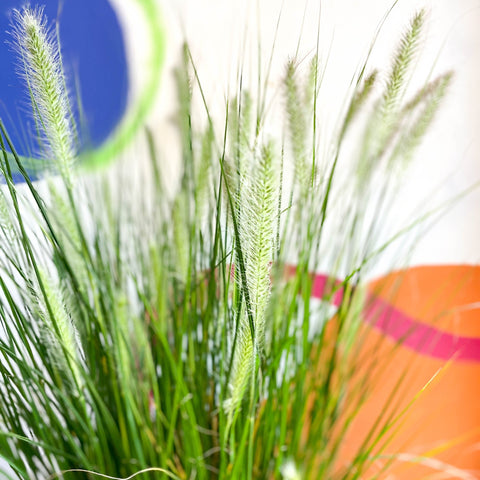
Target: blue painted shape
94 58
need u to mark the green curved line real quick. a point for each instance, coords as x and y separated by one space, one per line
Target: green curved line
123 135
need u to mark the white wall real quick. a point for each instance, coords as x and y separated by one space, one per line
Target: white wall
445 165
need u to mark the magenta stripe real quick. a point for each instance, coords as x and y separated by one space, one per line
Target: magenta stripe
402 328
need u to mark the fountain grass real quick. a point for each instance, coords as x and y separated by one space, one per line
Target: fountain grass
168 336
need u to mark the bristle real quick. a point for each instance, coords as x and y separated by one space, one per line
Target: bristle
297 125
64 347
42 70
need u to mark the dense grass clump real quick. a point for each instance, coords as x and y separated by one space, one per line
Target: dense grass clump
171 335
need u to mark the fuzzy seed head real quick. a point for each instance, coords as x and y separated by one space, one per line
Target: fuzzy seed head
41 68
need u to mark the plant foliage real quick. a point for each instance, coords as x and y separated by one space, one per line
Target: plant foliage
169 335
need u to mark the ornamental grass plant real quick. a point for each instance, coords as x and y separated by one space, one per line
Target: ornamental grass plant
192 336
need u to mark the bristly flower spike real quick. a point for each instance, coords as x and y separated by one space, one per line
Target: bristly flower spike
41 68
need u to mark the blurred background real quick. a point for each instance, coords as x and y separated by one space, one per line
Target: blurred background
220 33
120 56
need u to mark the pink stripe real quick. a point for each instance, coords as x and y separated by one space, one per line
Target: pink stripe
402 328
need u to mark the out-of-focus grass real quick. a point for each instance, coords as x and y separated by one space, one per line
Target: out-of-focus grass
170 332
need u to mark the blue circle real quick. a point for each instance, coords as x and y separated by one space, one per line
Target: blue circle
94 59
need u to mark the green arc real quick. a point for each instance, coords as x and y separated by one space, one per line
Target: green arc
137 113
